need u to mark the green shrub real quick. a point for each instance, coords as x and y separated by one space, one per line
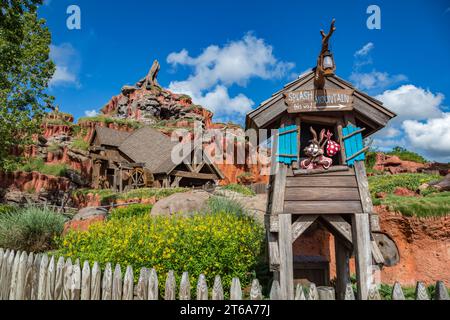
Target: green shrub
80 144
407 155
433 205
220 244
108 120
7 209
38 165
246 191
30 229
135 210
227 205
409 292
54 147
107 196
388 183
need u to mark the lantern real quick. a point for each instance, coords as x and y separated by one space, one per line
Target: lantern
328 63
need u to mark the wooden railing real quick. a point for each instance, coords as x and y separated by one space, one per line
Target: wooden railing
31 276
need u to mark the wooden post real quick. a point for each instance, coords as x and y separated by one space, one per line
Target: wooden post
363 253
342 268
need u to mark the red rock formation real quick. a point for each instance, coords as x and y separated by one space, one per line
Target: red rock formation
32 181
394 165
81 225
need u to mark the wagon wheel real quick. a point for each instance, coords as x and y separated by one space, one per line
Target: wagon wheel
138 178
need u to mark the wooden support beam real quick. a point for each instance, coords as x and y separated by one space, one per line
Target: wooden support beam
358 153
301 224
286 258
303 172
342 227
194 175
342 268
363 254
354 133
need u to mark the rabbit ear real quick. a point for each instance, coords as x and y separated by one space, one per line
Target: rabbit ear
322 135
313 133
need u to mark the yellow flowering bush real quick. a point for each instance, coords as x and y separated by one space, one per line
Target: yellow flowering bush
213 244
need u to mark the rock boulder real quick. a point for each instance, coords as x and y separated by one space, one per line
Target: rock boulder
188 202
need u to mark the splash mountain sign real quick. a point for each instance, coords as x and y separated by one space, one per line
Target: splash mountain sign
319 100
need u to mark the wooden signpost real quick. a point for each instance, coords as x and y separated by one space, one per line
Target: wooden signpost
319 100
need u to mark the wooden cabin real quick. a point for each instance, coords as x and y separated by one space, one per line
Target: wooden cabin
143 158
329 187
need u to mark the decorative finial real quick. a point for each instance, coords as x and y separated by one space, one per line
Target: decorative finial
325 62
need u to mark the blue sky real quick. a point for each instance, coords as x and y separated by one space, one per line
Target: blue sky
231 55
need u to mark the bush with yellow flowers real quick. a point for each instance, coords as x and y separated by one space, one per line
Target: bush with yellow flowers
213 244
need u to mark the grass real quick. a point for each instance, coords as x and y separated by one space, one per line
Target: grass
432 205
246 191
407 155
388 183
409 292
38 165
79 144
108 120
30 229
225 205
108 196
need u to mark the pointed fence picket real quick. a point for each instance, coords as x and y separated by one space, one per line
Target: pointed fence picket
29 276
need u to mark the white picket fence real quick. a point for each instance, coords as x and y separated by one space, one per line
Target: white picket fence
32 276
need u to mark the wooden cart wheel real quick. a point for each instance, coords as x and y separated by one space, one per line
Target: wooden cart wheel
138 178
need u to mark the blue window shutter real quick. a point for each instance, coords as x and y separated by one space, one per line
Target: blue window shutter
353 144
287 144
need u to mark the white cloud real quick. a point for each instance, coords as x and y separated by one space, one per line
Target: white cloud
365 50
412 103
375 79
67 61
433 135
218 68
91 113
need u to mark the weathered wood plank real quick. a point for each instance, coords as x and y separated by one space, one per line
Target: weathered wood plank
363 186
217 292
256 290
86 281
35 279
96 280
75 289
440 292
142 285
332 172
342 268
285 239
326 293
128 284
13 282
321 181
313 294
301 224
42 277
185 287
107 282
275 291
21 273
50 281
363 253
321 194
202 288
170 288
3 271
117 284
339 225
299 293
349 293
29 277
67 283
373 293
59 279
8 274
193 175
421 292
153 291
322 207
397 292
235 290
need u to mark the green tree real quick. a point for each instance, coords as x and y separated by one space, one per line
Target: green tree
25 71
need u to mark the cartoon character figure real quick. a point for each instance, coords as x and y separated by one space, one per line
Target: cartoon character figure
315 153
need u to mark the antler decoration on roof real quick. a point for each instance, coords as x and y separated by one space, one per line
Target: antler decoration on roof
319 80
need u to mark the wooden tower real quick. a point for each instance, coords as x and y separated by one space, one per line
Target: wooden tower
321 118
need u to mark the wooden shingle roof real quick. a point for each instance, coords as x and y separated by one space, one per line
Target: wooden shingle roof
366 107
110 137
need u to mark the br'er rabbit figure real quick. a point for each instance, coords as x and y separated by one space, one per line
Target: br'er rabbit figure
315 153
